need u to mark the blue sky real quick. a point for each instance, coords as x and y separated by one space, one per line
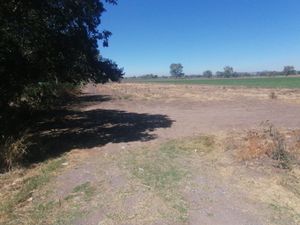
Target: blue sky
249 35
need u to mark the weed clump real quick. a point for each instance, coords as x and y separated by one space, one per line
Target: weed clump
279 152
268 141
12 150
273 95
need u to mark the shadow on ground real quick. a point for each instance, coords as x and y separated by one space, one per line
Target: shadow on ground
86 100
67 129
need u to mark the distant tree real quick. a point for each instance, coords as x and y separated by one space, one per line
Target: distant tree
219 74
176 70
228 71
148 76
207 73
289 70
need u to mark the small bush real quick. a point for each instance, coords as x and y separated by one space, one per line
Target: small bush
257 145
13 136
268 142
46 95
279 151
273 95
12 151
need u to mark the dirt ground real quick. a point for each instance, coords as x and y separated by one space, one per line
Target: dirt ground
174 154
196 109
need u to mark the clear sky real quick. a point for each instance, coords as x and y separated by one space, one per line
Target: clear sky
249 35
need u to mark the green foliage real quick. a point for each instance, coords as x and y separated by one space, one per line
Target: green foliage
45 95
51 41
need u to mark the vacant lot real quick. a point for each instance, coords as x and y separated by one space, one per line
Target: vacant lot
265 82
165 154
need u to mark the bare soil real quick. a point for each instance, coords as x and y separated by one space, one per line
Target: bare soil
112 159
198 109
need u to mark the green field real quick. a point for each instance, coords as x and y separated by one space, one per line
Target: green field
264 82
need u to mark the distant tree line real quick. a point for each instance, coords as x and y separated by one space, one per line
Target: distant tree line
176 71
148 76
230 73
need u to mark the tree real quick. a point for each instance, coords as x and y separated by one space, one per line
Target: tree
289 70
207 73
228 71
219 74
176 70
51 41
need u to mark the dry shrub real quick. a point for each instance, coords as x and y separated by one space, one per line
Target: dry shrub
256 145
293 143
273 95
279 152
12 150
268 142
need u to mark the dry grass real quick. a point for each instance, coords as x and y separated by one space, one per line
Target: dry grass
146 185
156 179
269 174
171 92
12 151
255 145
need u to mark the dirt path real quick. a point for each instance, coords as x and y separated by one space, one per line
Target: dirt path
117 185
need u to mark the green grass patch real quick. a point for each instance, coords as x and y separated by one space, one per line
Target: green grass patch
29 186
59 211
164 170
86 189
41 211
56 212
263 82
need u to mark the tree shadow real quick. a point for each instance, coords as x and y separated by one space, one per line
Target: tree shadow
86 100
93 98
63 130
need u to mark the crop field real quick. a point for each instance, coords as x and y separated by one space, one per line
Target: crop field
264 82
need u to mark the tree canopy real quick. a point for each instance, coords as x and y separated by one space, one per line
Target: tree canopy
228 71
207 73
52 41
289 70
176 70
